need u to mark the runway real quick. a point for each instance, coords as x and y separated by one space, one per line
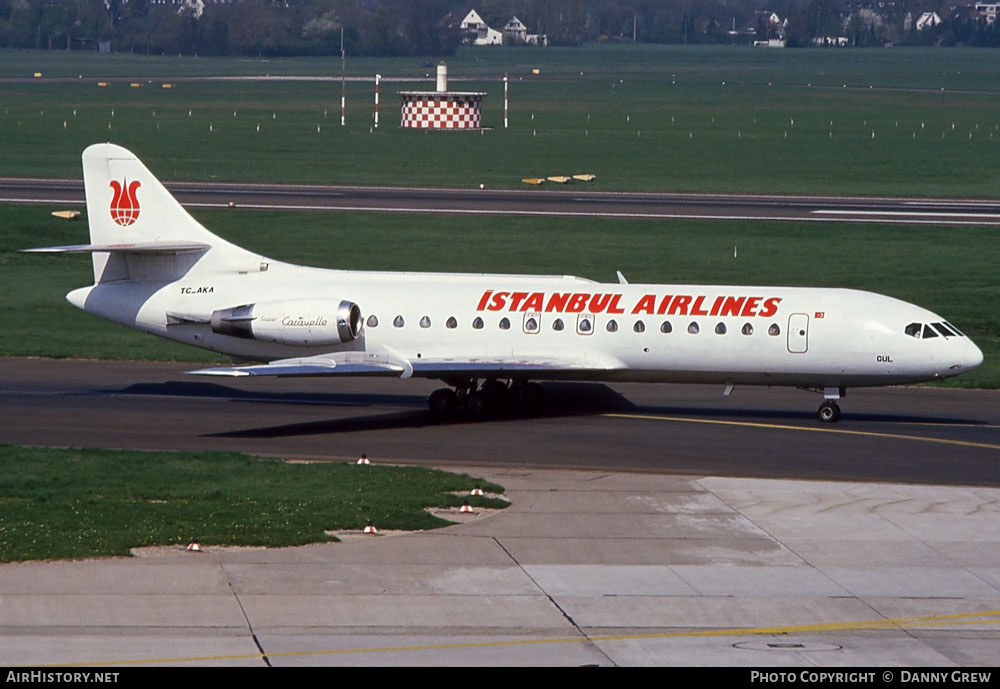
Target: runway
637 534
908 435
574 201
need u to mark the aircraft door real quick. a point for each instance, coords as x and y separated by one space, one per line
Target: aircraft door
798 333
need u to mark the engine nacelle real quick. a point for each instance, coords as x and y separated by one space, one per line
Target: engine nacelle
301 322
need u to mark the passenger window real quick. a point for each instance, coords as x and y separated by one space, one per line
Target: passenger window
665 327
639 327
557 324
585 324
398 322
747 329
505 323
372 321
477 323
612 326
693 328
452 323
774 330
531 323
425 322
720 329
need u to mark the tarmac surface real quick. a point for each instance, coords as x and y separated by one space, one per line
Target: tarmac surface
634 537
584 568
573 201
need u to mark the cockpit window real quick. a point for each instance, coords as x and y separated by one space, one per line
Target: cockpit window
960 333
945 330
913 329
929 332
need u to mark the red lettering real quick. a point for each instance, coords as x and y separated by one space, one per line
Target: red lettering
647 304
750 306
613 307
732 306
599 302
557 302
577 303
696 309
770 307
499 299
679 306
715 306
663 305
482 300
516 298
534 303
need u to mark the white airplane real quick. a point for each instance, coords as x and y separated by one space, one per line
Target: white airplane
486 337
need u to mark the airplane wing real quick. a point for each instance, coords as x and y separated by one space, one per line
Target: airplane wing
369 363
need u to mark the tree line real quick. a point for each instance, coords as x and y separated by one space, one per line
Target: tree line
431 27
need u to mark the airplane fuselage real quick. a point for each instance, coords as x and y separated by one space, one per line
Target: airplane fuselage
809 337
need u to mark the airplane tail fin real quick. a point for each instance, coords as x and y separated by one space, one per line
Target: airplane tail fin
138 231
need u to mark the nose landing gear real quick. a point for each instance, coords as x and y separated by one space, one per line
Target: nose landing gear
829 411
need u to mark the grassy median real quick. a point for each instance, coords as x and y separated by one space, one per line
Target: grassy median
83 503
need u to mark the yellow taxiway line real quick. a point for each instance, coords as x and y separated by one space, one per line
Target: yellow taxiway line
807 429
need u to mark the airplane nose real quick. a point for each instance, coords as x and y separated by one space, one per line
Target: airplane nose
973 355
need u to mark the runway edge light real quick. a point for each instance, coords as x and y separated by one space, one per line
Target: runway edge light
370 528
363 459
194 547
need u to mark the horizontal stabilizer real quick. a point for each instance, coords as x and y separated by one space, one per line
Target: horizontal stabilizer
130 248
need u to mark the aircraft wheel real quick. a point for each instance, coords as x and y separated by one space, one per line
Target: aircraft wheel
443 401
829 412
475 404
495 392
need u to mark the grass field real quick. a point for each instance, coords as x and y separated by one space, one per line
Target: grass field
900 122
954 275
86 503
911 122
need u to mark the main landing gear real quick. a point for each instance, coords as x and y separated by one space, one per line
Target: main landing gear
469 396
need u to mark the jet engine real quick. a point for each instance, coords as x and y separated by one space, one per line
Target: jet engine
299 322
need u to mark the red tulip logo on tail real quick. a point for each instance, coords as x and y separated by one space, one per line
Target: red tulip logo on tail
124 205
